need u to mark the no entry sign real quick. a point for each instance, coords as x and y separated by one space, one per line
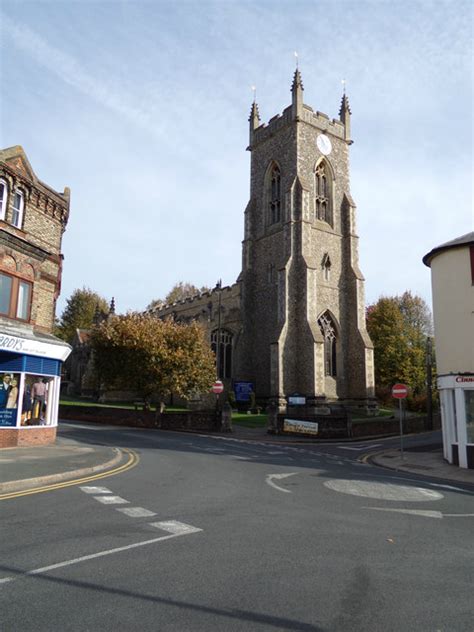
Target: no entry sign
399 391
217 387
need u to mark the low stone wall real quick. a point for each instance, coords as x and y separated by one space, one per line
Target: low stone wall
186 420
342 427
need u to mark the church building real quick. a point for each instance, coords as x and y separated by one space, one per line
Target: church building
294 322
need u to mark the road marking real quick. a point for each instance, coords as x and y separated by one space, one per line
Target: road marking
136 512
362 447
270 478
175 527
95 490
275 453
383 491
413 512
173 534
111 500
132 462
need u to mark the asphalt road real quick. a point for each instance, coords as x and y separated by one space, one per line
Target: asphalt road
218 534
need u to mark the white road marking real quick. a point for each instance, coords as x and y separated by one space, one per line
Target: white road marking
275 453
88 489
270 478
111 500
175 527
174 534
456 489
414 512
362 447
383 491
136 512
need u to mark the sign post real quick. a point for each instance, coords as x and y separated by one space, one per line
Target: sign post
217 388
400 391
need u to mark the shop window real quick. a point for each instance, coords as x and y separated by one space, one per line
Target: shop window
17 208
9 385
15 297
3 198
469 401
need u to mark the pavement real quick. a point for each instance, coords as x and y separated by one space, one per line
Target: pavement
28 467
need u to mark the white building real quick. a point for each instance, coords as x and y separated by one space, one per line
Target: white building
452 280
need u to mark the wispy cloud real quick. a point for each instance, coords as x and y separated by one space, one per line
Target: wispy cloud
70 71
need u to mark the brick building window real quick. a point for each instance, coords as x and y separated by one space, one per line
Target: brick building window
3 198
275 195
323 192
15 297
328 330
17 208
224 349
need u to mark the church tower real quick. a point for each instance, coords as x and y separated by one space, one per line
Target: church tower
302 290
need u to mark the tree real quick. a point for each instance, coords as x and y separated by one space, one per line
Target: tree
152 356
79 312
399 327
178 292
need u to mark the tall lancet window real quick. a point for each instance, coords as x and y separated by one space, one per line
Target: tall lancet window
275 195
328 330
323 192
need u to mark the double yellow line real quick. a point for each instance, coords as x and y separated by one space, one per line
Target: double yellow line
133 460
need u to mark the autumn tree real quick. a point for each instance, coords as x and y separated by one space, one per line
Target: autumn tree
399 327
79 312
178 292
152 356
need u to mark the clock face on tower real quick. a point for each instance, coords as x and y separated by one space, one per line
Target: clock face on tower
324 144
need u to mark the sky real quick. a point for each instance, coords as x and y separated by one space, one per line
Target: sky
141 108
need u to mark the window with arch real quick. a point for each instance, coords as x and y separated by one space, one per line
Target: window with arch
221 345
17 208
275 195
326 266
328 330
322 177
3 198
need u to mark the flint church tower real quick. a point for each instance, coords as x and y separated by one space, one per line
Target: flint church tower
302 292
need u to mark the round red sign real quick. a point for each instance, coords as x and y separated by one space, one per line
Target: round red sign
217 387
399 391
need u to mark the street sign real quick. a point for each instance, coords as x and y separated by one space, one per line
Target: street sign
217 387
399 391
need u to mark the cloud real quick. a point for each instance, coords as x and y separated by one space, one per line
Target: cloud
70 71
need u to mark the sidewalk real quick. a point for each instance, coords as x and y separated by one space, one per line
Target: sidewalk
28 467
426 462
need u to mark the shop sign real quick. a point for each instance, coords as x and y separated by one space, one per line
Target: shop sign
27 346
242 391
304 427
463 379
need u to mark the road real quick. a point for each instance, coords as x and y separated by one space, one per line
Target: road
218 534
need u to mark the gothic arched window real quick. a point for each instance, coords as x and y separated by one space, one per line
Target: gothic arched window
328 330
322 183
222 348
275 195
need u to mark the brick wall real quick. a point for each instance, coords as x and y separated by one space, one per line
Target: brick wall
22 437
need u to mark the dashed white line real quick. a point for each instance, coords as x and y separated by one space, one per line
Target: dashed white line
111 500
88 489
175 527
136 512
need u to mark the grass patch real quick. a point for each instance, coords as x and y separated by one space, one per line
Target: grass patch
250 421
68 400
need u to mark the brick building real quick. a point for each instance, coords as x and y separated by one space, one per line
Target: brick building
294 322
33 218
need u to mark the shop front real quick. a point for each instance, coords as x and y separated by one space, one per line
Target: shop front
30 376
457 412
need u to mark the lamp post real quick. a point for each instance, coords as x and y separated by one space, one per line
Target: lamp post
218 347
